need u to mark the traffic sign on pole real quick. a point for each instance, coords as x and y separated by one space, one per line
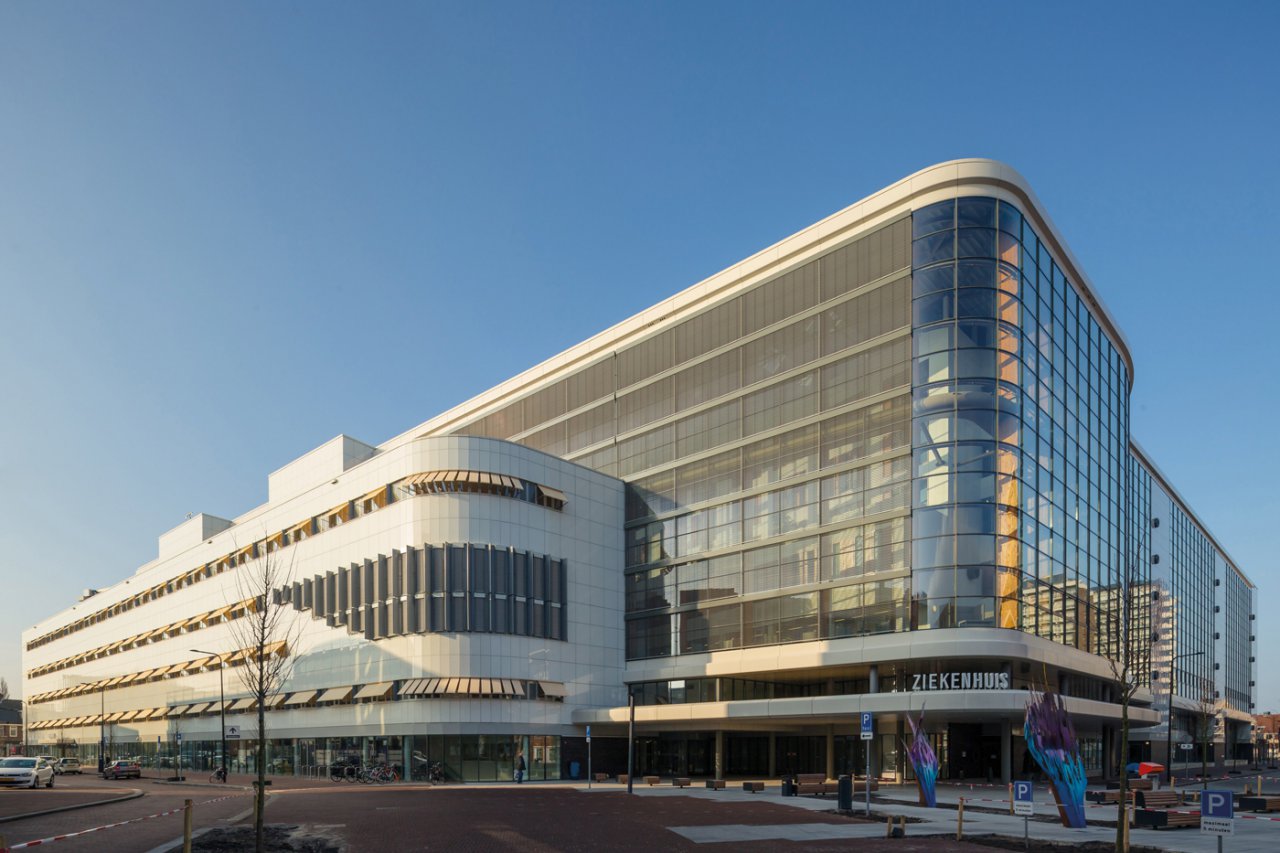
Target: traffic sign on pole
1217 813
232 733
1023 799
868 727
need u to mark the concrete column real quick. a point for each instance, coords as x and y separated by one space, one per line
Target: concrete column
720 755
1006 752
831 752
773 754
901 769
875 679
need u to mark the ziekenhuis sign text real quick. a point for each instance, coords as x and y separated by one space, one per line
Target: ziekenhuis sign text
960 681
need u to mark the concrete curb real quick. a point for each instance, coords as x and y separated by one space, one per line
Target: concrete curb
137 792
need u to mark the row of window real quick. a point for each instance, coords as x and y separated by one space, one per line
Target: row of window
434 482
164 632
441 588
855 553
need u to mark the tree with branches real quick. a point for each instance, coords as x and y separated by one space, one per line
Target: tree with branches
267 635
1130 663
1206 725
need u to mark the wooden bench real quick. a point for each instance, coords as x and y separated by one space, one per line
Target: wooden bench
602 777
623 778
1141 785
814 783
860 786
1111 795
653 780
1153 811
715 784
681 782
753 787
1259 804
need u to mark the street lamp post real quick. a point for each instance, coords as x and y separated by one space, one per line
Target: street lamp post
222 706
1168 734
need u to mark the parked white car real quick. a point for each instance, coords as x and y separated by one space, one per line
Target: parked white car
21 772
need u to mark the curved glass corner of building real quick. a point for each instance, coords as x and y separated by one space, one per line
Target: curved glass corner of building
1020 435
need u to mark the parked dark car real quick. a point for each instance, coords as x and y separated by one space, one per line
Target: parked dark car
122 769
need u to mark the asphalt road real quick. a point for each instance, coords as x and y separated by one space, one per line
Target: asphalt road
529 819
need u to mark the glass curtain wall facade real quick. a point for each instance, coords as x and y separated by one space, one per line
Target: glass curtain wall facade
1020 435
766 444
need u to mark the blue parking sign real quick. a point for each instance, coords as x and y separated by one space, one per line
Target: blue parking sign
1217 813
868 727
1023 803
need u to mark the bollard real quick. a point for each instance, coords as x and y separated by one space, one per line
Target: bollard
186 826
960 821
888 826
1011 798
902 826
1259 784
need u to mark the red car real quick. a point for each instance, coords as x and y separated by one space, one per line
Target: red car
122 770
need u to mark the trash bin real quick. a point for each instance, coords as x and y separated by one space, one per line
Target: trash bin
844 794
788 787
574 769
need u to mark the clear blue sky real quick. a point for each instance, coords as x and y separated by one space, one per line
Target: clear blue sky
229 232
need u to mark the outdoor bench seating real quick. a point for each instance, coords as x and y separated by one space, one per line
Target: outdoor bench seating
814 783
681 782
602 777
653 780
1259 804
753 787
715 784
1153 810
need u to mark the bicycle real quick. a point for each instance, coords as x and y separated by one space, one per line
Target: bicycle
219 775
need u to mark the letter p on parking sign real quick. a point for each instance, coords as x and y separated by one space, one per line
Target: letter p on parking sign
1217 813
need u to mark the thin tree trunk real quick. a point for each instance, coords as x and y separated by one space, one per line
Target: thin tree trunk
261 793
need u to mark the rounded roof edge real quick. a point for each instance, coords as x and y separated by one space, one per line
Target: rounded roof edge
896 200
977 171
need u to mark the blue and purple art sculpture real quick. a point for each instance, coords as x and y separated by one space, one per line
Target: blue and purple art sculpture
1051 740
924 762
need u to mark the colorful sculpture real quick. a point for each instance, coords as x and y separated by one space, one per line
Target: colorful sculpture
924 762
1051 740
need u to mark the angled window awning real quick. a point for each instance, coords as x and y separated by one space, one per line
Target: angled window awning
176 710
552 494
553 688
336 694
275 701
198 708
375 691
244 704
130 715
301 698
114 716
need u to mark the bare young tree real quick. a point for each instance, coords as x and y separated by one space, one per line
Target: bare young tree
1206 724
267 635
4 690
1130 663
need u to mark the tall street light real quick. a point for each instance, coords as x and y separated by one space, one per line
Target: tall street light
222 705
1168 735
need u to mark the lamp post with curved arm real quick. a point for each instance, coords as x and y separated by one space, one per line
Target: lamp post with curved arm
222 706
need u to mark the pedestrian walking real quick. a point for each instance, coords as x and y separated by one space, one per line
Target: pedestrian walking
519 767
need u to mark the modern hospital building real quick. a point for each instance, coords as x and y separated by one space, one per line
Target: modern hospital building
883 465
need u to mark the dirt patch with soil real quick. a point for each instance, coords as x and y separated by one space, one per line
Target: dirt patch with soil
279 838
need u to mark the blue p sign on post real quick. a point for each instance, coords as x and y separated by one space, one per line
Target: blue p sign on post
1217 813
1023 802
868 730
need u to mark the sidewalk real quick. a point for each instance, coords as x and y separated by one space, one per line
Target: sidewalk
1252 836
